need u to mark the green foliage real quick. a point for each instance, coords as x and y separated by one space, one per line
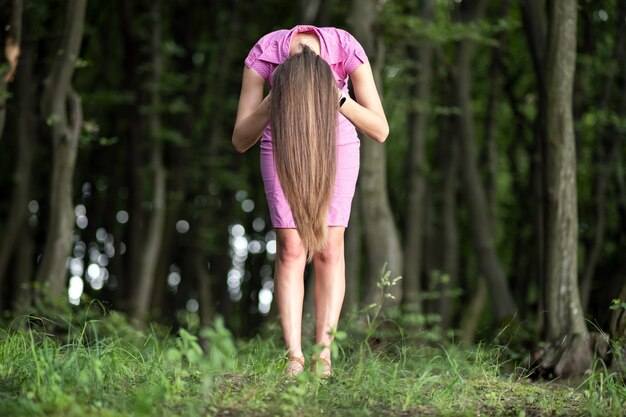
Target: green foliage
606 386
223 352
443 29
618 304
107 367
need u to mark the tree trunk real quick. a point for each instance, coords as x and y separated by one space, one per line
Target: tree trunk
471 315
18 212
23 283
535 26
152 246
170 245
450 261
57 97
490 153
417 122
481 223
12 53
382 242
568 351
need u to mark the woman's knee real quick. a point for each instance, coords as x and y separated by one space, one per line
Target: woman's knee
289 248
333 253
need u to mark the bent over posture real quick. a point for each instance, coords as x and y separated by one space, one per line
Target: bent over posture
309 163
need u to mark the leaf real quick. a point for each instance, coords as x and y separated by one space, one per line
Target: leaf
173 355
341 335
334 350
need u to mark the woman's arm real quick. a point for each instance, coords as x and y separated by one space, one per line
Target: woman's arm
253 111
366 113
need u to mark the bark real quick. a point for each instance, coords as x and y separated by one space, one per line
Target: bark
382 243
65 129
18 211
152 247
417 127
353 245
568 351
481 223
12 53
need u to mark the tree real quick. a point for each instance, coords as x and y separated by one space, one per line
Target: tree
382 242
417 118
481 223
568 350
65 129
153 242
16 219
134 133
17 238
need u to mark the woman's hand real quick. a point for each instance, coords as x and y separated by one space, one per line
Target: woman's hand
253 111
367 113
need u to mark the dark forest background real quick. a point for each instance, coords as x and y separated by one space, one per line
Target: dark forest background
499 196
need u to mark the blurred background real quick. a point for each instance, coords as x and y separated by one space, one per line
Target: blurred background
118 180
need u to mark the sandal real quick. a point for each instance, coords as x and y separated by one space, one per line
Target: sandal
295 366
323 369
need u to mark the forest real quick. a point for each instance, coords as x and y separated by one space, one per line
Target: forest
494 213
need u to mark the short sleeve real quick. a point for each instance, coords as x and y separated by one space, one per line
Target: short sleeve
253 62
355 55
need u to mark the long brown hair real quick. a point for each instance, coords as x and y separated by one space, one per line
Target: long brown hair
304 121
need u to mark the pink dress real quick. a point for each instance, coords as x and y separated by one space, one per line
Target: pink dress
344 54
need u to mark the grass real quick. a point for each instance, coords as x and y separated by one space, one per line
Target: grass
105 368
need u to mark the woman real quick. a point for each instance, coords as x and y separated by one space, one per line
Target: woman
309 183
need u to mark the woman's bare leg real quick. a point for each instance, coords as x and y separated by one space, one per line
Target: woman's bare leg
289 282
330 287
